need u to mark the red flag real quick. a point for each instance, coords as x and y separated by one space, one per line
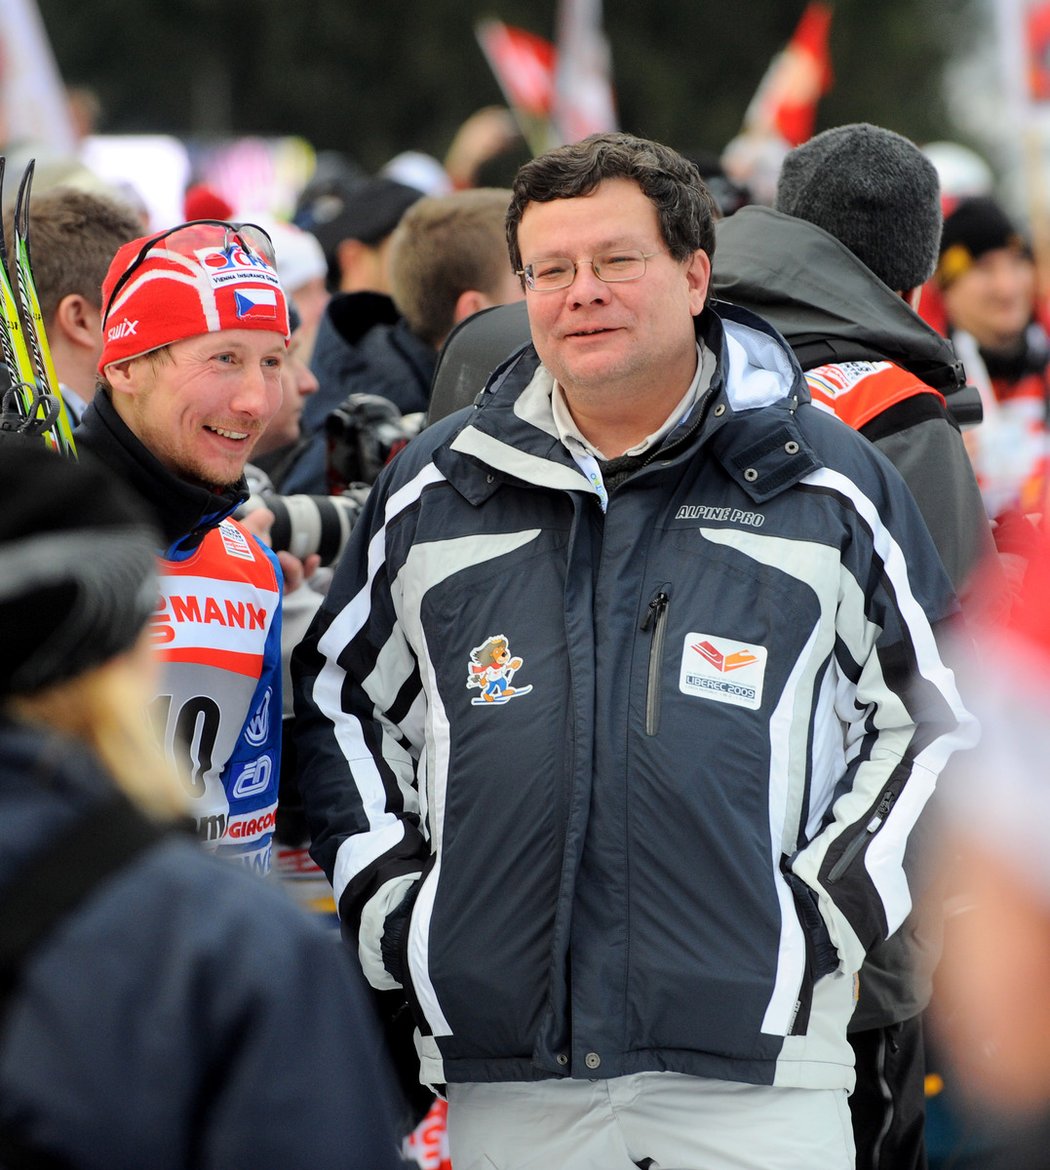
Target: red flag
785 103
524 67
523 64
583 95
1037 49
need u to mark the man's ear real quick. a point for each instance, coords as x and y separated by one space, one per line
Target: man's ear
469 302
698 274
123 377
79 321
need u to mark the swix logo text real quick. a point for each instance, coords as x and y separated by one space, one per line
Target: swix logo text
125 329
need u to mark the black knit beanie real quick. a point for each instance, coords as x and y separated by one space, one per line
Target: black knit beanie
875 192
975 226
77 568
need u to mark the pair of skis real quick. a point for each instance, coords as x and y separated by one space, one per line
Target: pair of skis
32 402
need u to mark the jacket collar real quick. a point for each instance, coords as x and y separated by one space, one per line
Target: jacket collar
747 420
185 512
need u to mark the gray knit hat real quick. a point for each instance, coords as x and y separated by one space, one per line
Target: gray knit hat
875 192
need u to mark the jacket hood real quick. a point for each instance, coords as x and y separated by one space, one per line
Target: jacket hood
761 364
185 512
814 290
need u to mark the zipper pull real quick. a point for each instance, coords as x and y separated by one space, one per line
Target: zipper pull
656 608
884 806
882 810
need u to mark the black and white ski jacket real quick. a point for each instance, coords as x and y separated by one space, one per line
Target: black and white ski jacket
627 790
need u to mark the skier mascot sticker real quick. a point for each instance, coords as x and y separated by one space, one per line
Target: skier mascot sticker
491 670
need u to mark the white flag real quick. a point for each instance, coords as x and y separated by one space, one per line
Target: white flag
33 105
583 94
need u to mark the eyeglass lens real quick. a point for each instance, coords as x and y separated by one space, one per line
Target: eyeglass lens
559 271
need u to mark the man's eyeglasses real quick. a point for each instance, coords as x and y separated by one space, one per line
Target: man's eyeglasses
559 271
253 239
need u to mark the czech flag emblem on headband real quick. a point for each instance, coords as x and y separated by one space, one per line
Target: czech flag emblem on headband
256 304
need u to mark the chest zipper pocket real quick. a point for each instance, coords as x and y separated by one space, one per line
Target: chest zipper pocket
656 620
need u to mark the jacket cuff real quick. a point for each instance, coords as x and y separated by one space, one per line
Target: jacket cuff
823 955
393 945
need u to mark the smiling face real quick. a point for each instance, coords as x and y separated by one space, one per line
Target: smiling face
201 405
625 341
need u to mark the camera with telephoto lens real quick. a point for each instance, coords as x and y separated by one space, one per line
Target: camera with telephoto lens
363 435
305 524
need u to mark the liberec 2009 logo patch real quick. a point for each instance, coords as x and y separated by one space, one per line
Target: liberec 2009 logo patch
491 669
723 670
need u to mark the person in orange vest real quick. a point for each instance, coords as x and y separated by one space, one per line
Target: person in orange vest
195 328
837 266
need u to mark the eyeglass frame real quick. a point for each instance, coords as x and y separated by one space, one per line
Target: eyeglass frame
230 229
525 272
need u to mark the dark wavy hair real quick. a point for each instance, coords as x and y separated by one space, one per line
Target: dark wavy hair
673 185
